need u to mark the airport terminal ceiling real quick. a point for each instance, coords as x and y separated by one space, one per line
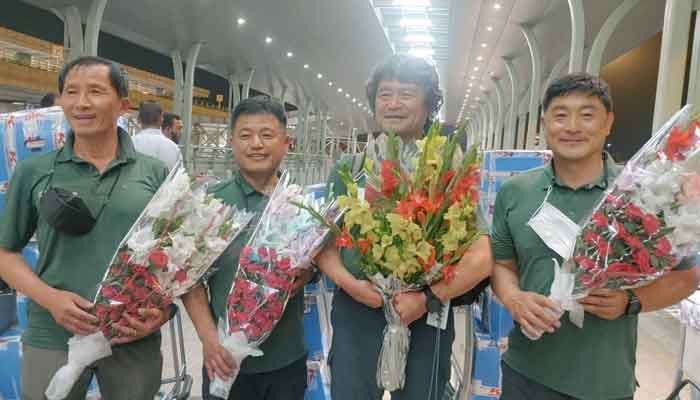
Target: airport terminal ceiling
340 40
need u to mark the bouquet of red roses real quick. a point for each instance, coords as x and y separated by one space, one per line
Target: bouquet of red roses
175 240
647 221
285 240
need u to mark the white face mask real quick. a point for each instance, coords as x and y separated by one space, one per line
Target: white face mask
557 231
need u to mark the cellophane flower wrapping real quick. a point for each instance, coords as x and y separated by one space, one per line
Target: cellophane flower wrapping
412 222
285 241
647 221
175 240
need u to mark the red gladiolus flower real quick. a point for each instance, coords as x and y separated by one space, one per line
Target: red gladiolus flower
344 240
663 247
406 209
448 177
614 200
364 245
372 195
679 142
390 180
651 224
159 258
600 220
621 231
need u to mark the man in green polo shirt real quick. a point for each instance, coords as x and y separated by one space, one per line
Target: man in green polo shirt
98 164
259 142
595 362
405 96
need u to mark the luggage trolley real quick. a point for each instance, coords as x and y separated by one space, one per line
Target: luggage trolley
689 363
181 382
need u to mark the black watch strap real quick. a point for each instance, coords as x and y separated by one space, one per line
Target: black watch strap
432 302
634 307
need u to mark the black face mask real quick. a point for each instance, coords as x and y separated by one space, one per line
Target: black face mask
66 211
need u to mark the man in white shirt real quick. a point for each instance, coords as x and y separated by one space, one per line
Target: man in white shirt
151 140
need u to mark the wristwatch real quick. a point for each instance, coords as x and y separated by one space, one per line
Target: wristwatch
634 307
432 302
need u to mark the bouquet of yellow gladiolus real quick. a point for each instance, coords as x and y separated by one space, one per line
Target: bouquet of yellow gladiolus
411 213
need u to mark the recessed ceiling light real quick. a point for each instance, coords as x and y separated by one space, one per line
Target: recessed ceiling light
489 28
479 58
340 90
471 85
415 22
418 38
421 51
484 45
476 68
497 6
354 100
268 40
290 54
306 66
347 95
240 21
473 77
319 76
330 83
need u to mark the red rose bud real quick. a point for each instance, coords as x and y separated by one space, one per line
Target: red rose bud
620 269
181 275
641 257
633 212
159 258
600 220
633 241
591 238
585 262
651 224
663 247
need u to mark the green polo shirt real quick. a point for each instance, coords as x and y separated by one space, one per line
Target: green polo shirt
594 362
75 263
286 342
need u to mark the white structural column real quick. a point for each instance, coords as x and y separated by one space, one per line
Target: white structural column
693 84
483 109
578 34
492 121
522 111
191 64
248 82
595 58
535 82
498 143
75 41
672 63
509 142
179 82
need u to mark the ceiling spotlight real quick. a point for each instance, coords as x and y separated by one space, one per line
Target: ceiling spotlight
306 66
347 95
268 40
471 85
476 68
290 54
330 83
479 58
473 77
489 28
484 45
340 90
240 21
497 6
354 100
319 76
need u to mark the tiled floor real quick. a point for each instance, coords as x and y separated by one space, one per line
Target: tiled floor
657 355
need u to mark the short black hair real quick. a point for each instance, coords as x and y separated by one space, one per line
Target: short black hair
582 83
408 69
150 113
49 100
169 119
117 77
259 105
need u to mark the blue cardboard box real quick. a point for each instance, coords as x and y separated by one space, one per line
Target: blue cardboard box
500 321
10 365
486 376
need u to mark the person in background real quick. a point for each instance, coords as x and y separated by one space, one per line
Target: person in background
49 100
150 140
597 361
109 184
172 127
260 143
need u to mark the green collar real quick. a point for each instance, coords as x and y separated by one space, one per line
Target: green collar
125 149
242 183
550 178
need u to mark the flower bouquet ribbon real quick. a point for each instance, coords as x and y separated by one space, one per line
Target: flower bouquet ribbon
647 221
284 242
175 240
411 223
